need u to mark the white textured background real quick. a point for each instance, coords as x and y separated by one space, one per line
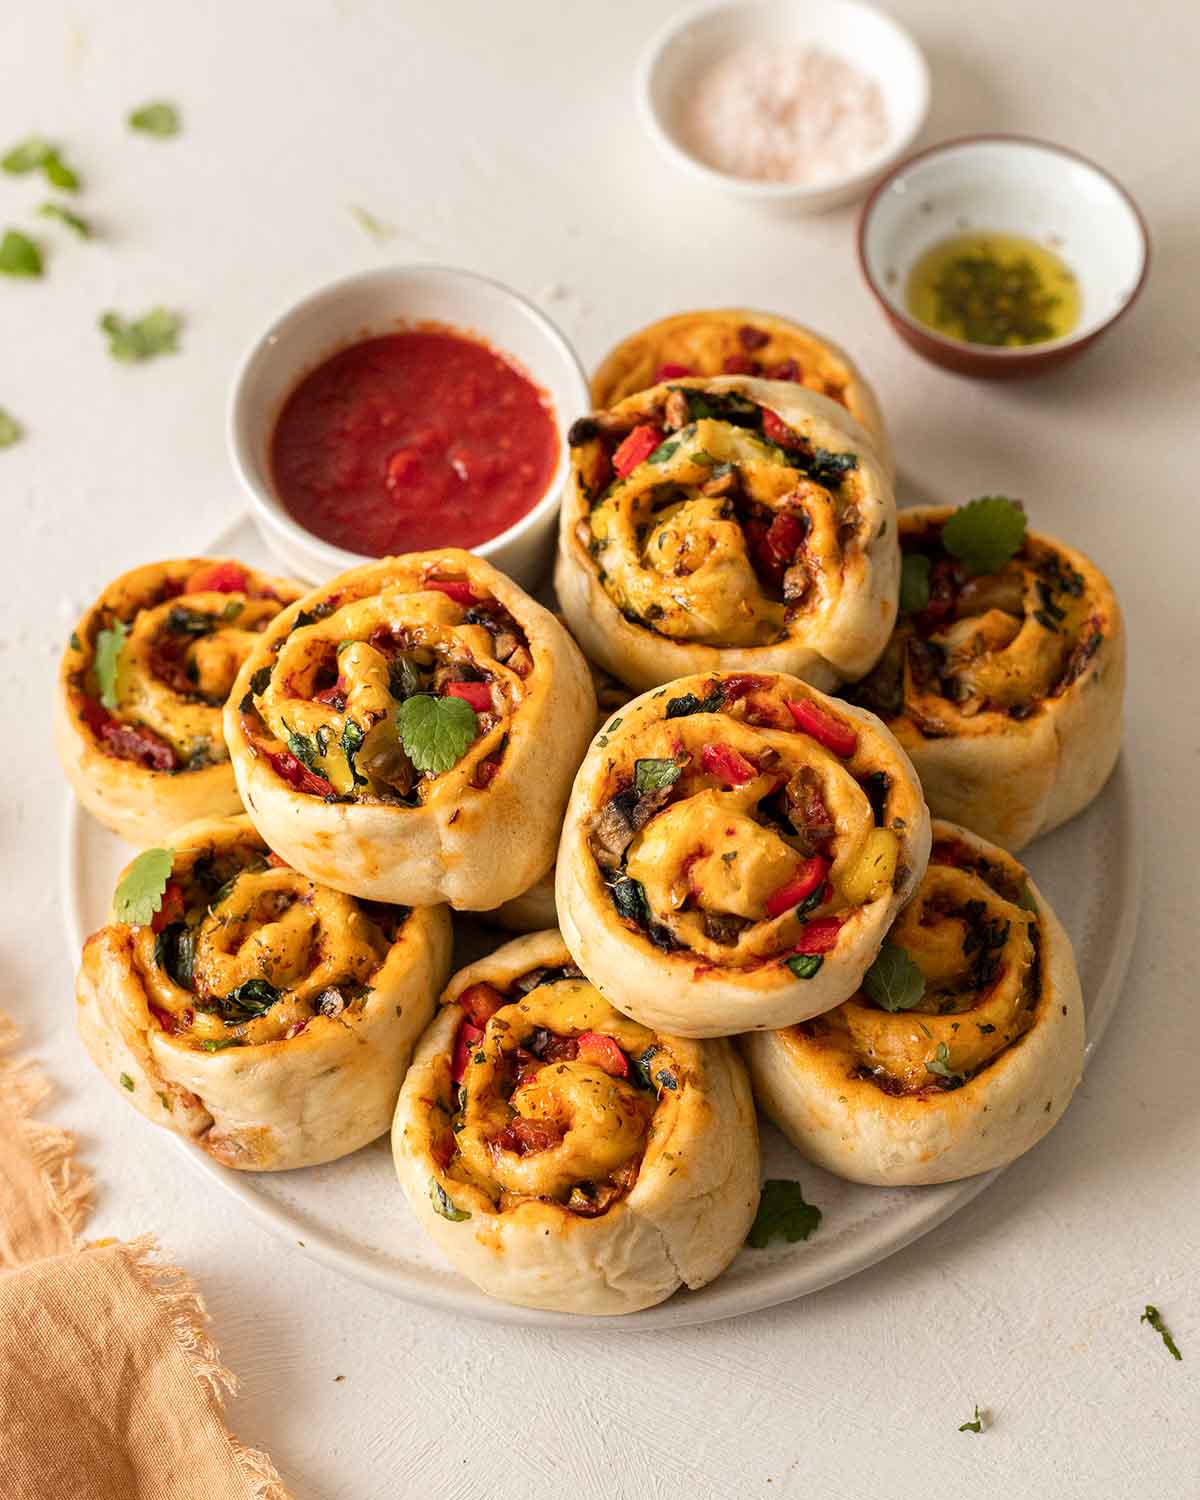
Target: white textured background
501 137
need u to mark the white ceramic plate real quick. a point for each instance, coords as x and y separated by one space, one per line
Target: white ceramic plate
352 1215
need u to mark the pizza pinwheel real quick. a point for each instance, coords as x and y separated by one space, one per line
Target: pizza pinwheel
565 1157
961 1050
737 341
408 732
1005 676
727 524
735 848
141 688
262 1016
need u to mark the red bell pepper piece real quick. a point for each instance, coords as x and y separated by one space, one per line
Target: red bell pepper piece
784 536
742 683
636 448
670 371
457 589
278 863
740 364
467 1037
776 430
787 370
481 1002
218 578
819 936
477 694
835 734
164 1018
170 908
327 695
128 741
297 775
945 580
808 877
603 1052
727 764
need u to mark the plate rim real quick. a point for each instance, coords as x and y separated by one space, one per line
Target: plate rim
783 1280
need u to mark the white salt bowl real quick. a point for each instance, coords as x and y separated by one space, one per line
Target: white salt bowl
858 34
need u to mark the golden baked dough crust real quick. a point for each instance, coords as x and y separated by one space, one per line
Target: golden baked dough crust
565 1157
156 757
971 1077
735 848
269 1020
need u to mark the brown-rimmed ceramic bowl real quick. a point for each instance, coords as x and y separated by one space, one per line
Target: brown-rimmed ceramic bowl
1005 184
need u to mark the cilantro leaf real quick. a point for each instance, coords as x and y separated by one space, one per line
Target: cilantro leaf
140 893
351 743
894 981
252 998
26 156
376 228
436 732
974 1425
160 119
914 582
19 256
58 174
155 333
30 154
629 897
985 534
653 775
441 1199
782 1214
10 429
64 215
1155 1320
804 965
109 645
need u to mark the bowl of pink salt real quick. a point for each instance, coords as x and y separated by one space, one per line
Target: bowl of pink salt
799 102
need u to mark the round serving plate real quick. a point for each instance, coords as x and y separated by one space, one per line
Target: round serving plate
352 1216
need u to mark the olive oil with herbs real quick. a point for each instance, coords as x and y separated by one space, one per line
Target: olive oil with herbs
998 289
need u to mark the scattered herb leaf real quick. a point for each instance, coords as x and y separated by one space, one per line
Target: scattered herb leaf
436 732
376 228
35 152
219 1044
974 1425
19 256
940 1063
64 215
984 534
159 118
782 1214
1155 1320
10 429
157 332
139 895
894 981
127 1082
351 742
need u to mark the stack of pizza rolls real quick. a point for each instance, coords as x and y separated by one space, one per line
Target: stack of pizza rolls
760 833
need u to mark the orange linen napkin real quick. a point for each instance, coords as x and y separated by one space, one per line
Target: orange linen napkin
110 1389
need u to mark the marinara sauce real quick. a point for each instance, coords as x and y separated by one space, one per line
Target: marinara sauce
425 438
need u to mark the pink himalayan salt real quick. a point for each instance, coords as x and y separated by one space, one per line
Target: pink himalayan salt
784 114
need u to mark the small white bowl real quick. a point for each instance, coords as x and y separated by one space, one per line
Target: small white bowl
387 301
1005 184
858 34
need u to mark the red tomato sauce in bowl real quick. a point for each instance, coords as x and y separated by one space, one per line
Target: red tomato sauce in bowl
424 438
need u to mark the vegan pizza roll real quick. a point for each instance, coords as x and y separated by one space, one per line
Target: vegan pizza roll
141 688
565 1157
734 851
1005 676
729 524
738 341
408 732
963 1047
264 1017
